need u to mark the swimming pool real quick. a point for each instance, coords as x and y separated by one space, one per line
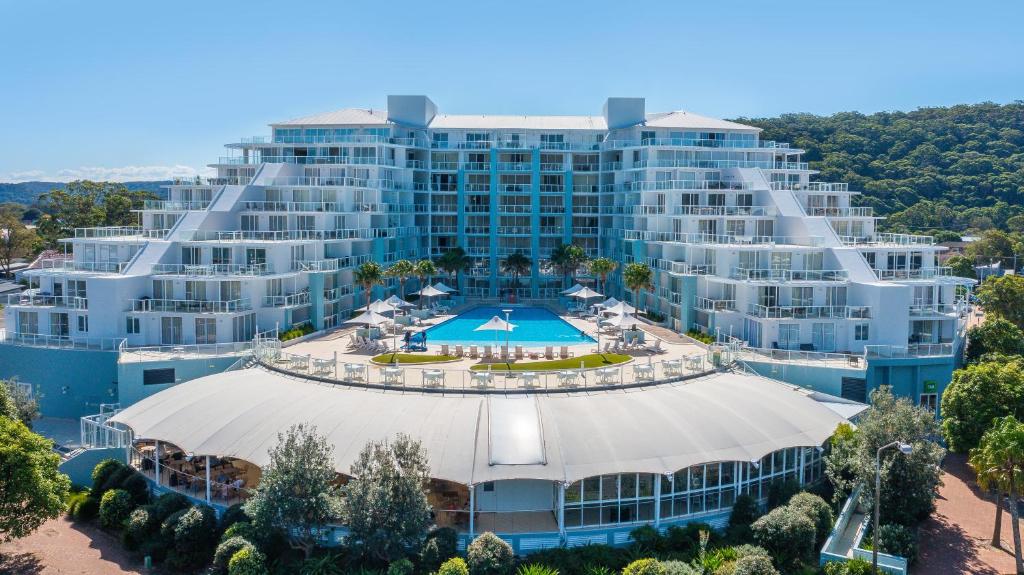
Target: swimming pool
534 326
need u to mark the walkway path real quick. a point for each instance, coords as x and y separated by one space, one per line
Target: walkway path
60 546
955 539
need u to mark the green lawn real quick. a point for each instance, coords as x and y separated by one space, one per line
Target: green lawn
589 361
410 358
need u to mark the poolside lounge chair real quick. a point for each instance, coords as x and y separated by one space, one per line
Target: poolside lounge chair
519 352
548 352
564 353
607 346
458 351
472 352
534 354
444 349
655 347
488 352
504 352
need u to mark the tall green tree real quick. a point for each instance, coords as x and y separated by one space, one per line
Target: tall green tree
386 508
402 270
962 266
425 269
17 403
568 258
977 395
368 275
637 277
999 463
297 494
602 267
16 241
83 203
909 482
994 336
454 262
32 489
1002 297
516 265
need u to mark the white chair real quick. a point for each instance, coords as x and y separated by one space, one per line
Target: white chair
444 349
564 353
473 352
482 379
549 352
458 351
488 352
519 352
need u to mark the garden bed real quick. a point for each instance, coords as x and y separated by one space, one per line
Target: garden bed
589 361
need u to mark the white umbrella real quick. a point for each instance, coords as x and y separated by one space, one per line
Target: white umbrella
624 321
573 289
398 302
380 306
430 291
585 293
496 324
370 318
621 308
441 287
610 302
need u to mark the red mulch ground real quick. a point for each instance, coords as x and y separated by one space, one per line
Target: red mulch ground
60 546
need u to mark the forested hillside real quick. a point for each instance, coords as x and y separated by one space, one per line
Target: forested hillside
959 168
26 193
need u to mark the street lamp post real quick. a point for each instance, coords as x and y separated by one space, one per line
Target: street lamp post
905 449
508 357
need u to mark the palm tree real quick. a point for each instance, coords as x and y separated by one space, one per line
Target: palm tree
425 269
568 258
999 461
637 277
403 270
368 275
454 261
602 267
517 265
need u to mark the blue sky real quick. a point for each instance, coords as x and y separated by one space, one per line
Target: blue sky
140 90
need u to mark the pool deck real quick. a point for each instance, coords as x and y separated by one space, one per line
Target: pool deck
337 342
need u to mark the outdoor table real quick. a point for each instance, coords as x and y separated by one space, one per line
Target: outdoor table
392 374
693 363
644 372
482 379
433 378
529 379
673 367
355 371
322 365
567 378
607 374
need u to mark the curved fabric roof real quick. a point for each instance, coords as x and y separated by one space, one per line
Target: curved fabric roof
475 438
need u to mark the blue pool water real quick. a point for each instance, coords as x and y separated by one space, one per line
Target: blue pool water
534 326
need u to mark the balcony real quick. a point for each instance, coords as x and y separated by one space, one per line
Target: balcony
781 275
825 187
849 212
190 305
29 298
809 312
333 160
725 211
719 239
515 166
695 143
209 270
175 206
289 300
914 350
943 310
664 185
62 265
916 274
330 264
267 206
887 239
710 304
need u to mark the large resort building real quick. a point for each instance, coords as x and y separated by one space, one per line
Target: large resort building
168 330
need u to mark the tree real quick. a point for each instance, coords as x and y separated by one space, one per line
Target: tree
516 265
637 277
1002 297
787 534
16 242
402 270
978 395
425 269
32 489
993 246
962 266
385 507
999 463
453 262
368 275
17 403
489 554
82 204
602 267
909 482
995 335
296 492
818 511
568 258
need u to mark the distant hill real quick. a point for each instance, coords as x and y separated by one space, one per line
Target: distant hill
27 192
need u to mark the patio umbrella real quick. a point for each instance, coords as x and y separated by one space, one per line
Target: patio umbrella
610 302
496 324
624 321
621 308
573 289
397 302
380 306
430 291
369 318
441 287
585 294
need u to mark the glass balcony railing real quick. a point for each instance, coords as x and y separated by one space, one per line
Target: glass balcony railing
786 275
209 270
144 305
809 312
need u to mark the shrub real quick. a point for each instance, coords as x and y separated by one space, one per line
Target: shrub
117 478
140 526
136 486
750 551
242 529
896 539
453 566
233 515
647 539
787 534
115 507
679 568
744 512
686 539
779 492
74 499
488 554
247 561
401 567
169 503
195 534
754 565
441 545
101 473
226 550
644 567
536 569
87 509
701 337
850 567
818 511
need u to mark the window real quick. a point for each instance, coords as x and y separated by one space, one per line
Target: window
161 376
789 335
206 330
59 324
440 139
860 332
132 325
83 323
488 486
802 296
930 401
646 137
170 330
255 256
28 322
221 256
250 223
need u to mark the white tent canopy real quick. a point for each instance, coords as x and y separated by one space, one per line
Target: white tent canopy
398 302
369 318
585 293
439 286
621 308
496 324
430 291
725 416
380 306
573 289
623 321
610 302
